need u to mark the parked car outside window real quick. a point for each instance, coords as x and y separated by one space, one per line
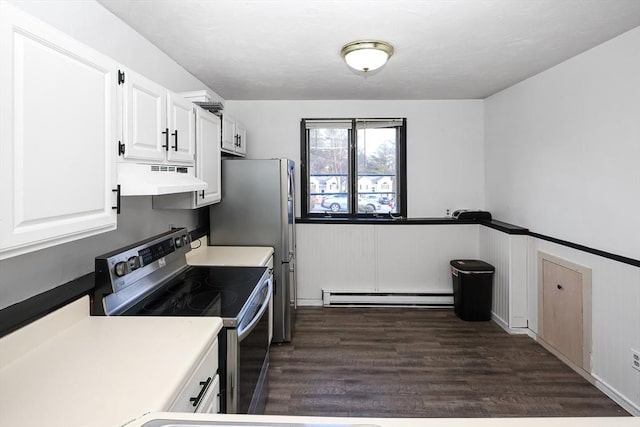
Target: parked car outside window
340 203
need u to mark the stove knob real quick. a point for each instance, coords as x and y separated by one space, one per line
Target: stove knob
178 242
121 268
185 239
134 263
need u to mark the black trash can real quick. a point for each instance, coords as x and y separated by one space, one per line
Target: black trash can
472 289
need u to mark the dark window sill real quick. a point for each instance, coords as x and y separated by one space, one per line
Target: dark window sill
388 220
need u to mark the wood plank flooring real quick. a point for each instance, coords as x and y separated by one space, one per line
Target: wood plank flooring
393 362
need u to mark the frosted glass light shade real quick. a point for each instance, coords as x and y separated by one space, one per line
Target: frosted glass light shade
366 55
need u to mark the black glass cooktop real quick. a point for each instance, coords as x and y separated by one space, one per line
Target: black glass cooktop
202 291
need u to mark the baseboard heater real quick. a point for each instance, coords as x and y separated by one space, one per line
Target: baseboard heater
334 298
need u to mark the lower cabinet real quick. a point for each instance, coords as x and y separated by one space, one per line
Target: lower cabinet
202 390
57 131
210 403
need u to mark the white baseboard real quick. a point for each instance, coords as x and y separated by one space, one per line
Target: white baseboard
611 392
309 302
513 331
617 397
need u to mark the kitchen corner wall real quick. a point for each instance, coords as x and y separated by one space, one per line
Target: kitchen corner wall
27 275
562 159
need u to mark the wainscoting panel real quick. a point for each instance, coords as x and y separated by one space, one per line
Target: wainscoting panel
518 288
508 254
494 249
416 258
334 257
385 258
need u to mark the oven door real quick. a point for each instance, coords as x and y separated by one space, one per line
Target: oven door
248 357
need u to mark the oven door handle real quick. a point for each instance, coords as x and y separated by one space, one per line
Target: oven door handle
265 304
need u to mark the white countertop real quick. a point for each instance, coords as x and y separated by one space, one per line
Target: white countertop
397 422
251 256
70 369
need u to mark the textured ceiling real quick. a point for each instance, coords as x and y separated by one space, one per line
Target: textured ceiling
444 49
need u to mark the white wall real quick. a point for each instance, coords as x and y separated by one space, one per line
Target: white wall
445 152
563 149
562 152
28 275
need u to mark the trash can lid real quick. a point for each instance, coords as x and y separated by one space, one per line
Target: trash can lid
471 265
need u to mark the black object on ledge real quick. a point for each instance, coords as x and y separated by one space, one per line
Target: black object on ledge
471 214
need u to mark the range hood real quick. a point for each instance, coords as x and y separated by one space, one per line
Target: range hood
138 179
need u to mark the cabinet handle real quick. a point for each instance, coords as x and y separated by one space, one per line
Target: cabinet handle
121 148
235 144
202 194
197 399
117 206
175 135
166 139
239 140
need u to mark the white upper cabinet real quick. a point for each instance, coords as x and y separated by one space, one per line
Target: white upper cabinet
208 167
241 132
144 114
234 136
157 125
57 133
182 126
208 129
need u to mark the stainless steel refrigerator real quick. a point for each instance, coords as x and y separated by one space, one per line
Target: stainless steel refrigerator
258 209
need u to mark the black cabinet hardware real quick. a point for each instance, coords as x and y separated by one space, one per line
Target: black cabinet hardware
120 77
559 286
117 206
121 148
197 399
202 194
165 132
175 136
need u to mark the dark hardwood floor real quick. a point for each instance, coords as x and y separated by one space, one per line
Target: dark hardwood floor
394 362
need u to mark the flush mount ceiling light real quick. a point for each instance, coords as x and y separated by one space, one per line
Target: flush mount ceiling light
366 55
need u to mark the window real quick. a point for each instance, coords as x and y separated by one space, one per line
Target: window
353 174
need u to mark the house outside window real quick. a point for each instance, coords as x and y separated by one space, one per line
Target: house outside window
353 174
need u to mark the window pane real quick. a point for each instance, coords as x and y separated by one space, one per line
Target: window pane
328 170
377 184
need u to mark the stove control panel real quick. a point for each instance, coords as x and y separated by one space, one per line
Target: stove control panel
121 268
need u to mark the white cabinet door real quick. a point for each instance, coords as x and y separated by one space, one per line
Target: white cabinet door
234 136
210 403
181 128
57 134
241 135
144 106
208 157
229 139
